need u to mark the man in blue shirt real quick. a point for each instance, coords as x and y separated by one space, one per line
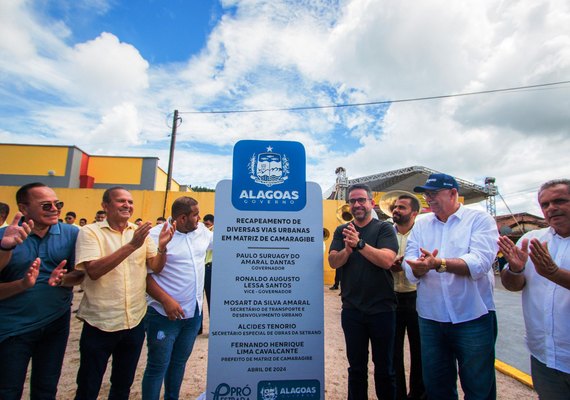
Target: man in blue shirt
35 293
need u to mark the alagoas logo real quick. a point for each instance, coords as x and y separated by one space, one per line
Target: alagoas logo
269 176
268 392
309 389
269 168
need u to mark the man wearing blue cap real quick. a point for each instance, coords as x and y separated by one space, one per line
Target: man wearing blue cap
449 256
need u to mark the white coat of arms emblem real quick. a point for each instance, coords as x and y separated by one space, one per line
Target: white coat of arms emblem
269 168
268 392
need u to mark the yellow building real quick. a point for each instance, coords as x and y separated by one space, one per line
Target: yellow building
71 167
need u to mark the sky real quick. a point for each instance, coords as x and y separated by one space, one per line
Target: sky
107 75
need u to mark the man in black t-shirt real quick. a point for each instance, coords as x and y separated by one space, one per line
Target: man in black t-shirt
365 249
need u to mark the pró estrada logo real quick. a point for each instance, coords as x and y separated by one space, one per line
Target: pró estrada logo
226 392
309 389
269 176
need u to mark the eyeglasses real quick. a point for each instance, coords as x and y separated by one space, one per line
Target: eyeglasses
49 206
360 200
432 193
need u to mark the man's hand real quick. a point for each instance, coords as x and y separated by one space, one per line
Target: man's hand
543 262
166 234
351 237
516 257
397 266
172 309
56 277
16 234
140 235
29 280
424 263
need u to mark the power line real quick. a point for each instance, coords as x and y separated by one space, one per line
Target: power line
375 103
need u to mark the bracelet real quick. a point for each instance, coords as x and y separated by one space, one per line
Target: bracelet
160 251
6 248
516 273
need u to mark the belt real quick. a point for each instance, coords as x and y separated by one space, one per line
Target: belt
208 264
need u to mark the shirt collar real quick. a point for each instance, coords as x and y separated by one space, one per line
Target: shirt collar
105 224
553 234
457 214
55 229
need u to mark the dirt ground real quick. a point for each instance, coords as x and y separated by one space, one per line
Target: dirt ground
195 377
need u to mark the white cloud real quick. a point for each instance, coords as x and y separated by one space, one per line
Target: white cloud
120 125
104 71
275 54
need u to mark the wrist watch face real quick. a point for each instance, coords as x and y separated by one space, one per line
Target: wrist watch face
360 245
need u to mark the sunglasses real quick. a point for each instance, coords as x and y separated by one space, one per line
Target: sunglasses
360 200
49 206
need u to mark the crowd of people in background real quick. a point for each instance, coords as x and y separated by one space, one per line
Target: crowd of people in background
431 280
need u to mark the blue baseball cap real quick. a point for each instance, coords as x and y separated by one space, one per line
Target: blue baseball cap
438 182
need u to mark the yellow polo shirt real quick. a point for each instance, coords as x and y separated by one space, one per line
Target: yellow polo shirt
116 301
401 283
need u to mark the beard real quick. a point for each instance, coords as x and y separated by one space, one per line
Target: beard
361 215
400 219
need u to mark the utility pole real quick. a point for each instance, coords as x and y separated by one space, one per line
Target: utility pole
176 120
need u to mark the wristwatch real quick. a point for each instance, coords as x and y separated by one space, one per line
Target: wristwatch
443 267
360 244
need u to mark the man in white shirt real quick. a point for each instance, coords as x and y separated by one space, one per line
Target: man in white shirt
540 267
175 297
449 256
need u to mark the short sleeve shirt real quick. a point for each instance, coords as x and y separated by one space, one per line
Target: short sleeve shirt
116 301
366 286
183 275
41 304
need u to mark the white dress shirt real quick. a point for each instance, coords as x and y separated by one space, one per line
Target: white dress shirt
546 305
183 274
446 297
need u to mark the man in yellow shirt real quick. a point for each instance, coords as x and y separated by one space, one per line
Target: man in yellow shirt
114 254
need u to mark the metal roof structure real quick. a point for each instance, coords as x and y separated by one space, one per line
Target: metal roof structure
410 177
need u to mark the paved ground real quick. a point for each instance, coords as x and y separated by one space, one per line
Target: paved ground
511 348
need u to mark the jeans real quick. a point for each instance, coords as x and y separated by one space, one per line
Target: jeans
169 345
95 347
407 320
377 329
468 345
549 383
46 348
